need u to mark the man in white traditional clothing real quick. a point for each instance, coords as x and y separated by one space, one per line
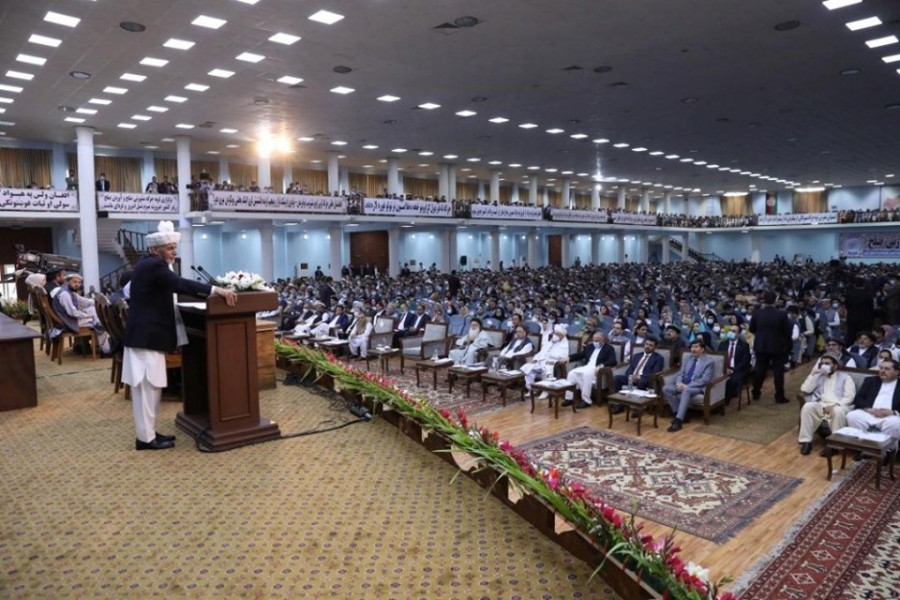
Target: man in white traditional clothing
554 350
76 311
154 328
467 346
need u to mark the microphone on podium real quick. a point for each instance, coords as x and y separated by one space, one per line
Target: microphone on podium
204 274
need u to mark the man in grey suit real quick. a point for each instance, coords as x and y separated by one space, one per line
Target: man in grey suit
696 371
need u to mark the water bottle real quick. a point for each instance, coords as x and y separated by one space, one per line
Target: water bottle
630 384
495 364
434 355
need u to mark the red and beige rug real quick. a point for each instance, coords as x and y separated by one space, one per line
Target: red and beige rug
848 548
702 496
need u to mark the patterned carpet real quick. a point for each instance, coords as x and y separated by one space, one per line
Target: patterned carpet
705 497
849 548
323 516
762 422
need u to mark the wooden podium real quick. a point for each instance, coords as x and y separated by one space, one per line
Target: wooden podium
220 386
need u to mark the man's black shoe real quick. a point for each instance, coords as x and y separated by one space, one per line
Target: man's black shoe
675 426
636 414
888 457
755 395
567 403
154 445
164 438
781 400
583 404
618 409
858 456
805 448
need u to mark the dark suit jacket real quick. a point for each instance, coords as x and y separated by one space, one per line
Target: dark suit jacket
654 365
866 394
606 358
422 323
102 185
771 331
677 349
151 309
741 355
343 321
405 322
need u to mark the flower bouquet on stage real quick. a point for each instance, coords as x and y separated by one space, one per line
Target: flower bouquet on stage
240 281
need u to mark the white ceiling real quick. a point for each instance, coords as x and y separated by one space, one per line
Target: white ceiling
764 101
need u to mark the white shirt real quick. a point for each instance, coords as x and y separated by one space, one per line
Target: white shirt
885 397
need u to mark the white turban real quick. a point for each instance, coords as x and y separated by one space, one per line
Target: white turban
560 330
165 235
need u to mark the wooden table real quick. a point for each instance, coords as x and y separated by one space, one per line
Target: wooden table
333 345
634 402
503 380
18 385
434 366
878 450
466 374
557 390
384 357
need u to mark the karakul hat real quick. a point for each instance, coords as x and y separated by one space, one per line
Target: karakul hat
833 356
165 234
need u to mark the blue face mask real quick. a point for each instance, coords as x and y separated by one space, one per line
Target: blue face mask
732 335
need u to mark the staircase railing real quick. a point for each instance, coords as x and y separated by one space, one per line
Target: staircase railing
134 246
698 256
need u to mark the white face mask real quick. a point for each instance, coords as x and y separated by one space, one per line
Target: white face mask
826 368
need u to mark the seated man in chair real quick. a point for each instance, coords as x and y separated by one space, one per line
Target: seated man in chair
877 403
77 311
511 356
737 364
596 354
467 346
828 394
640 371
555 350
696 371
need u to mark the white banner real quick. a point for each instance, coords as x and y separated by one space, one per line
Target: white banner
798 219
504 211
390 207
276 202
624 218
580 216
38 200
143 203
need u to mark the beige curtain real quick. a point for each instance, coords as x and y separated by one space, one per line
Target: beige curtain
736 205
505 194
20 167
315 182
276 172
466 191
607 203
165 167
810 202
210 167
371 185
123 174
420 187
242 174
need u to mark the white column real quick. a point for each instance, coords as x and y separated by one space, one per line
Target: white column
495 186
345 180
620 247
514 193
447 261
667 206
393 180
545 198
59 167
645 248
566 249
453 249
267 251
595 196
336 255
393 252
666 257
444 180
148 168
566 193
533 239
288 177
334 176
596 240
645 202
264 170
183 160
621 203
533 191
224 170
451 182
685 247
87 208
756 247
495 249
480 195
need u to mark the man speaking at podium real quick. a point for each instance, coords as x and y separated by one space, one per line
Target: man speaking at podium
154 328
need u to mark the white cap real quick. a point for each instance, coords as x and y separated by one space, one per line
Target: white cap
165 234
560 329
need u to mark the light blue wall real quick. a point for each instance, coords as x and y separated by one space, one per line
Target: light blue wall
420 246
314 250
733 246
856 198
580 247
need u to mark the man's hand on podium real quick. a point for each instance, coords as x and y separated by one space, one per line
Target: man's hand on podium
229 295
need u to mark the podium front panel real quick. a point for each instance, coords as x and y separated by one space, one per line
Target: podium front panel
233 378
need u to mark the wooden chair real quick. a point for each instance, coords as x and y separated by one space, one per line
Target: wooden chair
713 396
603 387
42 320
56 322
857 375
486 354
432 341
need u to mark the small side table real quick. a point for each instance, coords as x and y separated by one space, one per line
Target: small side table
634 402
434 366
384 356
503 380
336 346
878 450
557 390
465 375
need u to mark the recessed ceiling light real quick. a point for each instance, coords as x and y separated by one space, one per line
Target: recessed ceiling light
290 80
284 38
20 75
474 159
60 19
882 41
196 87
154 62
398 150
423 164
132 77
370 147
639 149
600 141
168 139
528 125
495 162
621 145
466 113
533 168
74 120
184 126
228 130
429 106
367 166
325 16
249 57
31 60
100 101
712 166
127 125
178 99
338 143
223 73
315 161
657 153
232 145
6 100
44 40
141 117
514 165
892 58
556 130
86 111
551 171
208 22
388 98
342 90
159 109
498 120
699 163
115 90
212 151
863 23
451 156
687 160
836 4
578 136
426 153
672 156
179 44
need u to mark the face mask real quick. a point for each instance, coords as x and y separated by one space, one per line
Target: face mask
826 369
731 335
834 306
717 329
474 330
743 311
710 320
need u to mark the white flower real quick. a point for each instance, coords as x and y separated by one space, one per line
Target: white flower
697 571
242 281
